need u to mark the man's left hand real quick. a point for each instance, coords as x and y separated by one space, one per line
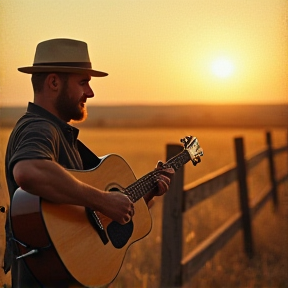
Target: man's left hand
164 178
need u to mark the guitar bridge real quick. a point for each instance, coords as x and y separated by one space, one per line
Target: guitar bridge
97 225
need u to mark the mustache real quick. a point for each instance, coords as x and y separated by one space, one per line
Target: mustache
83 98
82 101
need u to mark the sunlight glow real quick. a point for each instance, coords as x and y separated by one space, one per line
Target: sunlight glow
222 67
210 52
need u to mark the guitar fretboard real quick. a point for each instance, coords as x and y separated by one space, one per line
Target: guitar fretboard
149 181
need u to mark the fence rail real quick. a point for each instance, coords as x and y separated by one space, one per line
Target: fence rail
176 270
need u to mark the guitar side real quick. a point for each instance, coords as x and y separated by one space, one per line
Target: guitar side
29 229
77 243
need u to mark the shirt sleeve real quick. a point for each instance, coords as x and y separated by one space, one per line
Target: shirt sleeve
37 140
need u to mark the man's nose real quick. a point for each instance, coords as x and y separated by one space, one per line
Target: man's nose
89 93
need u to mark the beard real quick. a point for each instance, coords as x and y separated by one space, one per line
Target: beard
70 109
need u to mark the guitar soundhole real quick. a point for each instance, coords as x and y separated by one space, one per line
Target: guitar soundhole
114 187
119 234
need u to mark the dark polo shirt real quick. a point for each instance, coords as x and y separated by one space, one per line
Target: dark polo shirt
40 135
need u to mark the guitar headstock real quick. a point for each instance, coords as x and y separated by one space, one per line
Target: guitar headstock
191 144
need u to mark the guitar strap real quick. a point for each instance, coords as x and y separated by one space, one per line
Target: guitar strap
89 159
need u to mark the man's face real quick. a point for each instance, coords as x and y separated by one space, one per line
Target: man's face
71 100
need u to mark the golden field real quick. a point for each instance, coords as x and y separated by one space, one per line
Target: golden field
142 148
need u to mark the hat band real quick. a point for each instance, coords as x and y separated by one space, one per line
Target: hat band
66 64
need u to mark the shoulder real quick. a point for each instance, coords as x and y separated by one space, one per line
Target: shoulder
37 124
34 128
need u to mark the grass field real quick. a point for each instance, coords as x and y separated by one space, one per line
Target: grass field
142 148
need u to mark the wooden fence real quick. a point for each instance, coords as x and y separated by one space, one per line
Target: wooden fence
175 270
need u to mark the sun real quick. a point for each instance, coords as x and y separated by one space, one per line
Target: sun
222 67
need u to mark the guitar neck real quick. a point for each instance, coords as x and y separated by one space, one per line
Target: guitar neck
149 181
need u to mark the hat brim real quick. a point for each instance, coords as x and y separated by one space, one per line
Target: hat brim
64 69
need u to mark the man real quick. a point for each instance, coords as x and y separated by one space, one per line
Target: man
43 144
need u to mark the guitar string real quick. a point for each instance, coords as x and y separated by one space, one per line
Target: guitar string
149 181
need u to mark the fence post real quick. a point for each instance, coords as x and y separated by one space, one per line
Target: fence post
243 195
171 254
272 170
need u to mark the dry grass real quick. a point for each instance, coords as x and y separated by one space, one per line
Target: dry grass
269 267
229 268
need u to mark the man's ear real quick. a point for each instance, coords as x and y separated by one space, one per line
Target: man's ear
53 81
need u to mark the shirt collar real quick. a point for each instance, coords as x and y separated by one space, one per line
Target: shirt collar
38 110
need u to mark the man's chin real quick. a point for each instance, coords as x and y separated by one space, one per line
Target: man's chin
81 118
77 121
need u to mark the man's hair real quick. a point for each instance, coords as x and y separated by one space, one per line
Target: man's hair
38 79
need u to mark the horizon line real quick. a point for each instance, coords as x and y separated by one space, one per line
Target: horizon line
165 105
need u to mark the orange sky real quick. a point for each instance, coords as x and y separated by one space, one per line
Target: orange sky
156 52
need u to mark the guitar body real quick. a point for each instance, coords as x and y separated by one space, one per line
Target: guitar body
77 252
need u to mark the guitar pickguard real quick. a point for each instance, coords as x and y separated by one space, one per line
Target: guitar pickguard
120 234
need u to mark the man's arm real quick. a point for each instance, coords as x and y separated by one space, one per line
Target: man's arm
52 182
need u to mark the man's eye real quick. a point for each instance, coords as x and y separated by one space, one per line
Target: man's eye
84 82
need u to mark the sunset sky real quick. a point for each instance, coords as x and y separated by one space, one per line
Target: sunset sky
156 52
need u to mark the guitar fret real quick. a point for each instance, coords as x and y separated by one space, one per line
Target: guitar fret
178 161
141 187
149 181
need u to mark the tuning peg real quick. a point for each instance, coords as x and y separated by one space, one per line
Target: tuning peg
196 160
186 140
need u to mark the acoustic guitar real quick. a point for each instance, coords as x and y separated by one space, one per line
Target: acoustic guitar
66 245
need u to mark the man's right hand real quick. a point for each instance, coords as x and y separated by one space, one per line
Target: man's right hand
119 207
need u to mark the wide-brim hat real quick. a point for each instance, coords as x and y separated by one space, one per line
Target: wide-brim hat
62 55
